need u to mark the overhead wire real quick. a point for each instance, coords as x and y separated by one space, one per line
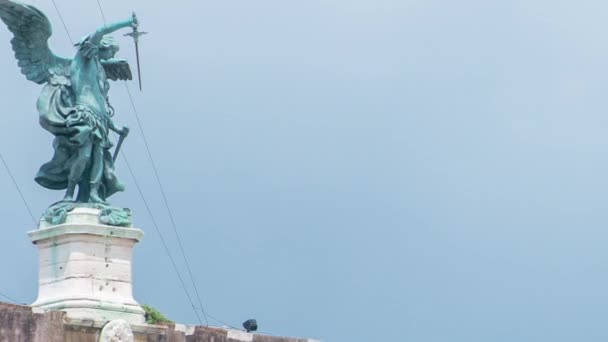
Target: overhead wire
162 189
222 322
10 299
169 211
166 248
65 27
103 16
163 194
162 239
142 195
10 174
166 202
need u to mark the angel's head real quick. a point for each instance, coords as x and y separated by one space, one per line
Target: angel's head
108 47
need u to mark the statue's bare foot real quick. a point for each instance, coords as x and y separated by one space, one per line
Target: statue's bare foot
94 198
69 197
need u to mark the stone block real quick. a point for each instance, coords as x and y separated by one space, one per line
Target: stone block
85 268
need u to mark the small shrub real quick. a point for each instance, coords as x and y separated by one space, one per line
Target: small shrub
153 316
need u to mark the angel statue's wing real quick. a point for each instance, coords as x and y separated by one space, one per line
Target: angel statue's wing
117 69
31 30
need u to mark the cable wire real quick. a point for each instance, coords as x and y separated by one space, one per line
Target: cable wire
63 22
10 299
164 197
162 239
222 322
103 16
166 202
10 174
140 191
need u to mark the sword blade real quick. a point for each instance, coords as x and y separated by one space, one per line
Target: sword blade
138 66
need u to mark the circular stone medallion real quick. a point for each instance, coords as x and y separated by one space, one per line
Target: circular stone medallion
116 331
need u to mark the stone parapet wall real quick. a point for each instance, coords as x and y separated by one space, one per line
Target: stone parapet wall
20 323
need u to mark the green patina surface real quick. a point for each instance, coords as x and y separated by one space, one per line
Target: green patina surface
57 213
51 233
74 106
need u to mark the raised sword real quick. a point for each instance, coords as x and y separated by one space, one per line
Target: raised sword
136 34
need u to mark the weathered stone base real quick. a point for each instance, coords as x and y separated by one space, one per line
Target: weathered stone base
85 268
21 324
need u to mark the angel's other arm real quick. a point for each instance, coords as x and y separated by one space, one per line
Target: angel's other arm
122 131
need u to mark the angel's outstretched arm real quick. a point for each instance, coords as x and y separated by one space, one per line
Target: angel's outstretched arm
96 37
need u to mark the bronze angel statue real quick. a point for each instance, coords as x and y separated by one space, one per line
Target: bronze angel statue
74 104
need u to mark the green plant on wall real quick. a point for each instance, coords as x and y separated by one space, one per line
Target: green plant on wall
153 316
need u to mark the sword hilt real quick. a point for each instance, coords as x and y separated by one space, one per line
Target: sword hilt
135 34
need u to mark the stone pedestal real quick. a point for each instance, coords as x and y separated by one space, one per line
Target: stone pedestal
85 268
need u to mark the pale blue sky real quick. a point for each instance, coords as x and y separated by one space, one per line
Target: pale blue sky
355 170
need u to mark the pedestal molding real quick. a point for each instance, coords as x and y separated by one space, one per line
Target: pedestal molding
85 268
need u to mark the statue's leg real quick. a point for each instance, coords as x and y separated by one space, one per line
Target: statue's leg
84 189
96 173
77 169
69 194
